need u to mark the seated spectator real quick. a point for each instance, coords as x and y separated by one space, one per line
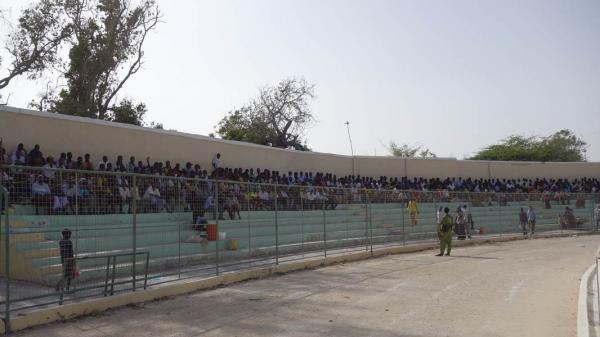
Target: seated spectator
264 199
124 194
19 155
152 194
50 165
40 194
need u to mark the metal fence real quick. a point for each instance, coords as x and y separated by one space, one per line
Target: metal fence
68 235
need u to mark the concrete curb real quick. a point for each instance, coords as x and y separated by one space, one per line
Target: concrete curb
583 306
73 310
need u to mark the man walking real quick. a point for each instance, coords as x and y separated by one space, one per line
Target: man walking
523 221
445 233
531 217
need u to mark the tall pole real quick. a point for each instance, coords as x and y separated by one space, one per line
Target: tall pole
351 148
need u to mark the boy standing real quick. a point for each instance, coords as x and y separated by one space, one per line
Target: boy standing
67 259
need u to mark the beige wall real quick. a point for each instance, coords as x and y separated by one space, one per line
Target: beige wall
59 133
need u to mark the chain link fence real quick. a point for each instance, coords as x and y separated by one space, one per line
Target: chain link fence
68 235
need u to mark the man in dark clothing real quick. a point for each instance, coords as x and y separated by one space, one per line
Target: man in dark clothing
67 259
36 158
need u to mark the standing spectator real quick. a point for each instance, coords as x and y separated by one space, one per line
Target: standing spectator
131 164
523 221
439 215
597 215
67 259
36 157
69 161
413 210
87 163
104 162
444 230
216 162
531 218
119 165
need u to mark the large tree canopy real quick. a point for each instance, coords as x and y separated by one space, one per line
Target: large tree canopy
278 117
562 146
95 45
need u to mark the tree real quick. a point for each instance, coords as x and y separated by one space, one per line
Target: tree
562 146
128 113
106 50
34 45
278 117
407 151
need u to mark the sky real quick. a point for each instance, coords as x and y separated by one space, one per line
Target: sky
452 76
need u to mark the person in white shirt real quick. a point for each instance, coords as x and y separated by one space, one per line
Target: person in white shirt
19 155
49 165
153 195
124 194
40 192
103 161
216 162
264 199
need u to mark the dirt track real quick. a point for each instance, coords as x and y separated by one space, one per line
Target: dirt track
521 288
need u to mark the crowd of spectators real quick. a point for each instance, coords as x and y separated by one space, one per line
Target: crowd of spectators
98 192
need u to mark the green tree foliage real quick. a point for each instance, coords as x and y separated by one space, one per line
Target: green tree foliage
106 50
127 112
562 146
34 44
96 45
407 151
278 117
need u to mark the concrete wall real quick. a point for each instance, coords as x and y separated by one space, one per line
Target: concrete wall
59 133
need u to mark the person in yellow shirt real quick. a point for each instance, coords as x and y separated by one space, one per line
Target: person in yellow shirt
413 210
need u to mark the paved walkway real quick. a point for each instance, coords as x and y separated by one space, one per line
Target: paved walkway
521 288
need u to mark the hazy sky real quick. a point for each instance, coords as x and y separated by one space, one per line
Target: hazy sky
453 76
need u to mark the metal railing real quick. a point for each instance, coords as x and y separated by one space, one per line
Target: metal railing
197 227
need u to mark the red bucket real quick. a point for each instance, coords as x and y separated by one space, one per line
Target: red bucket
211 232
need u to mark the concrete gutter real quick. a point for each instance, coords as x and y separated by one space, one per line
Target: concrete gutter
73 310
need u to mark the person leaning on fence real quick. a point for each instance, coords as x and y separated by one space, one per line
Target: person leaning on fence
67 259
445 233
597 215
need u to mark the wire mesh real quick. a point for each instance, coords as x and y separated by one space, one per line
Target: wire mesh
77 234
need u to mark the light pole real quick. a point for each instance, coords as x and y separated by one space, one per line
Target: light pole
351 148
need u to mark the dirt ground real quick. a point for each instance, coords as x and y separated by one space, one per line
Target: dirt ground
520 288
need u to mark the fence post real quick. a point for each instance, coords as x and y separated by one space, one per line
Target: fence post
248 195
324 227
217 216
4 201
368 234
134 232
276 226
403 223
301 217
499 213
